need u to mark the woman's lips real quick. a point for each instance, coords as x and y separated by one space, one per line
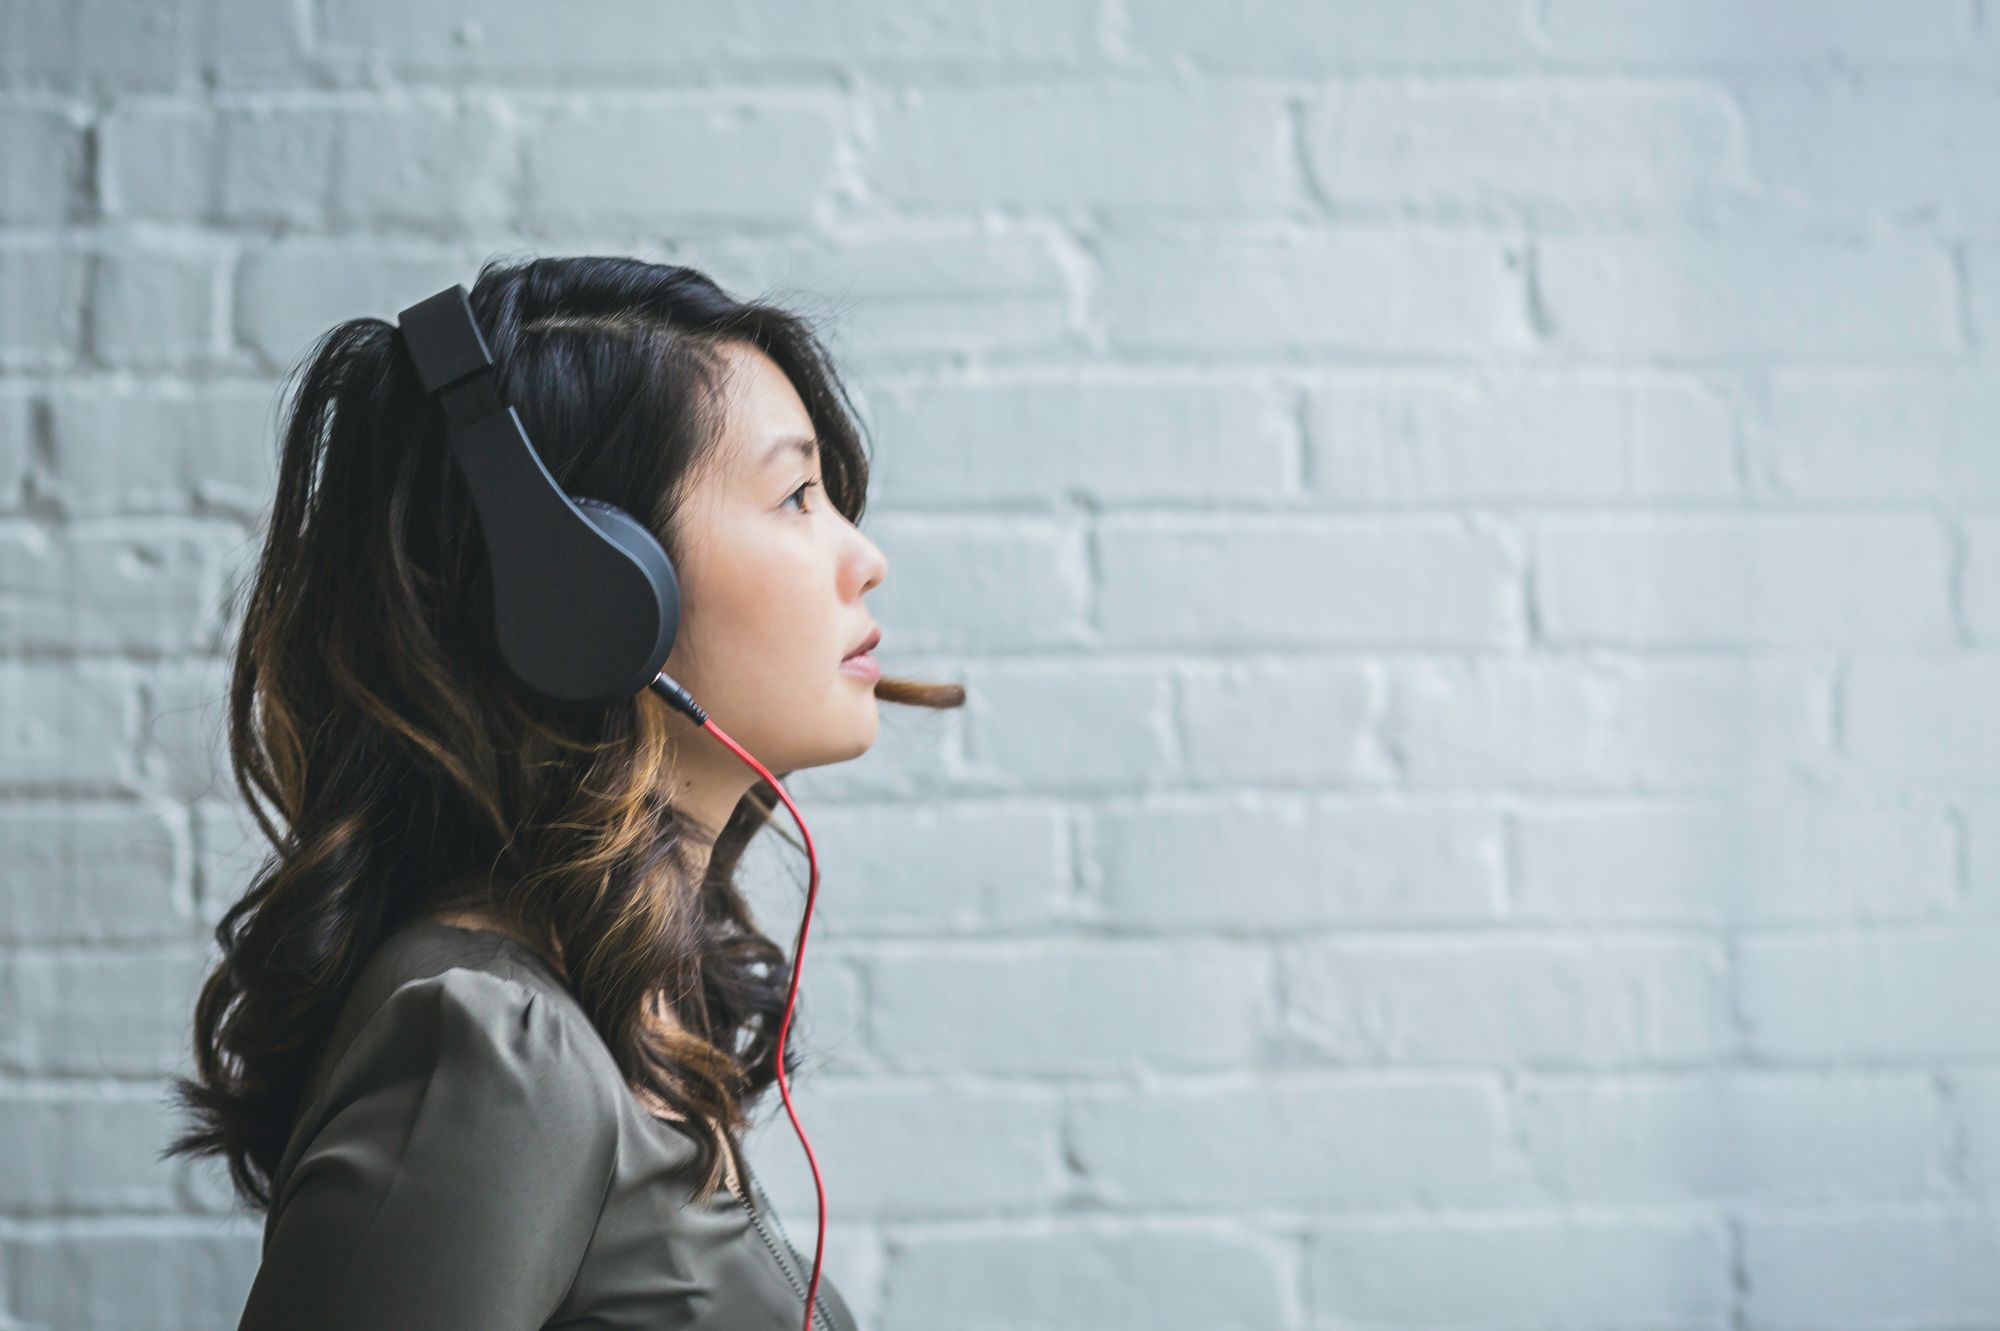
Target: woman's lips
863 664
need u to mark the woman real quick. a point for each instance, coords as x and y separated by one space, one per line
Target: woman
492 1017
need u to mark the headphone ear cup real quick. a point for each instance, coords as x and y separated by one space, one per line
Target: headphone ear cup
630 536
585 603
635 539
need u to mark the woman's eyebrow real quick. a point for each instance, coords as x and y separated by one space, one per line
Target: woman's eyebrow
807 446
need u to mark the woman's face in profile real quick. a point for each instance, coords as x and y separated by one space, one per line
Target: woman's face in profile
772 578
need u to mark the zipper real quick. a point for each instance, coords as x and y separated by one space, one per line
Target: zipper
795 1280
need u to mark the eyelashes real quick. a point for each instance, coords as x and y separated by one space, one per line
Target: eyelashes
800 493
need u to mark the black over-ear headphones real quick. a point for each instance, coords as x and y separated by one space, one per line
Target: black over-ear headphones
585 601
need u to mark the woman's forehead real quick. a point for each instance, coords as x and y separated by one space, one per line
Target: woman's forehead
765 421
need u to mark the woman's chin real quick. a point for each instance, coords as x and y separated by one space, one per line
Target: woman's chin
869 727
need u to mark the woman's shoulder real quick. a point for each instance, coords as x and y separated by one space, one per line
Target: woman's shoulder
426 946
458 1143
487 980
437 1005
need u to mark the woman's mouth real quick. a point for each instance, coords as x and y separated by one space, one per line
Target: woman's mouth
862 664
861 661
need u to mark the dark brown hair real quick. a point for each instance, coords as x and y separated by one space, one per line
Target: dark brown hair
398 757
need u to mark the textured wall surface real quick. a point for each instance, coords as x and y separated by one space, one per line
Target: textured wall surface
1472 529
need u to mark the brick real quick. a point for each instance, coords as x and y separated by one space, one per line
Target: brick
1291 864
1772 1137
151 588
916 297
1721 298
291 293
157 162
1924 719
1507 1001
1116 736
418 161
89 1012
1724 580
269 45
1375 291
1713 34
1982 289
276 166
1221 583
1979 581
427 164
1384 441
1755 859
157 309
1899 998
1561 724
989 1008
1554 153
1887 148
1520 1269
1974 1096
1935 1265
1978 819
80 1149
1111 442
983 583
1875 436
67 724
1272 37
942 867
1136 151
117 872
1018 1167
41 321
182 727
17 447
41 166
88 45
130 1272
1079 1275
706 165
1303 721
432 36
1404 1140
212 445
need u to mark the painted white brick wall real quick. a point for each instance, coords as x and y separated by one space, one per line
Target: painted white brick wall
1472 528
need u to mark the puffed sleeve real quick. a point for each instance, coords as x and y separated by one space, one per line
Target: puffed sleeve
456 1180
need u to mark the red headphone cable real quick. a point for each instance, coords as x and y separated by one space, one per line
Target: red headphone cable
680 700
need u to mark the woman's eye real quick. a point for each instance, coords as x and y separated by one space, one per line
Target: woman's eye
800 493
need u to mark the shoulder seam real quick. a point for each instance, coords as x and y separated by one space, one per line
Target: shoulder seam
465 967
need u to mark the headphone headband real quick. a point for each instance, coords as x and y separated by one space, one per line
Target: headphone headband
443 341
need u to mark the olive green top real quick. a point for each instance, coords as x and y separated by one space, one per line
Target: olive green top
467 1155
